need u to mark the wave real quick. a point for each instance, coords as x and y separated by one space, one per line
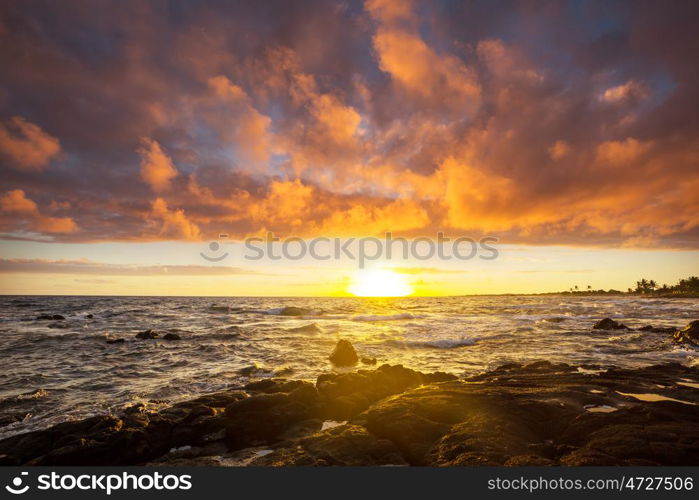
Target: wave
291 311
436 344
386 317
309 328
221 336
216 308
256 370
626 338
556 319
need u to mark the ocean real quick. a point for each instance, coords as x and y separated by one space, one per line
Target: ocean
58 370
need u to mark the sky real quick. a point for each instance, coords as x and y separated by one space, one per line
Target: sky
133 134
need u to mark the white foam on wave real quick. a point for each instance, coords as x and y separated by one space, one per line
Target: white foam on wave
386 317
444 343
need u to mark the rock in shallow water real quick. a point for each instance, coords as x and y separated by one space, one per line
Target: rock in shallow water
657 329
344 354
147 335
171 336
53 317
688 335
609 324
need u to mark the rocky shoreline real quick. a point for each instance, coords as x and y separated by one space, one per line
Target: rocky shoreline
519 414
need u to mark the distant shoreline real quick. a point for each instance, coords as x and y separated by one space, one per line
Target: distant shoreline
576 294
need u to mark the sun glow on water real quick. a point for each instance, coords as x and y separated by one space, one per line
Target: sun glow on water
379 283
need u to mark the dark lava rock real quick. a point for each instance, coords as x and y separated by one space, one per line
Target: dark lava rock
171 336
136 437
344 354
103 440
50 317
609 324
294 311
345 395
11 419
265 418
116 341
349 445
248 371
658 329
689 335
148 334
368 360
540 413
536 416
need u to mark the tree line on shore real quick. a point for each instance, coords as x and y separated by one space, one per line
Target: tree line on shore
685 286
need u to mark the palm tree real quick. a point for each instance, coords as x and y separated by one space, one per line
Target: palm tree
642 286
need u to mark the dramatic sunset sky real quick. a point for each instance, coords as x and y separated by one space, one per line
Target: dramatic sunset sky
133 133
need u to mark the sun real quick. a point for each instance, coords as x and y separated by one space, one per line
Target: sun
379 283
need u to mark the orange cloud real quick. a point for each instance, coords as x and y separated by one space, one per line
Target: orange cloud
15 206
242 124
415 66
405 116
26 146
362 218
157 169
15 201
624 92
559 150
621 152
172 224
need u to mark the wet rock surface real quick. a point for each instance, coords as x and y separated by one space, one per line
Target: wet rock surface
147 335
539 413
50 317
344 354
609 324
688 335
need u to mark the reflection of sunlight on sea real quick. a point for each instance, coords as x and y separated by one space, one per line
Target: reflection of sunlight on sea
65 369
